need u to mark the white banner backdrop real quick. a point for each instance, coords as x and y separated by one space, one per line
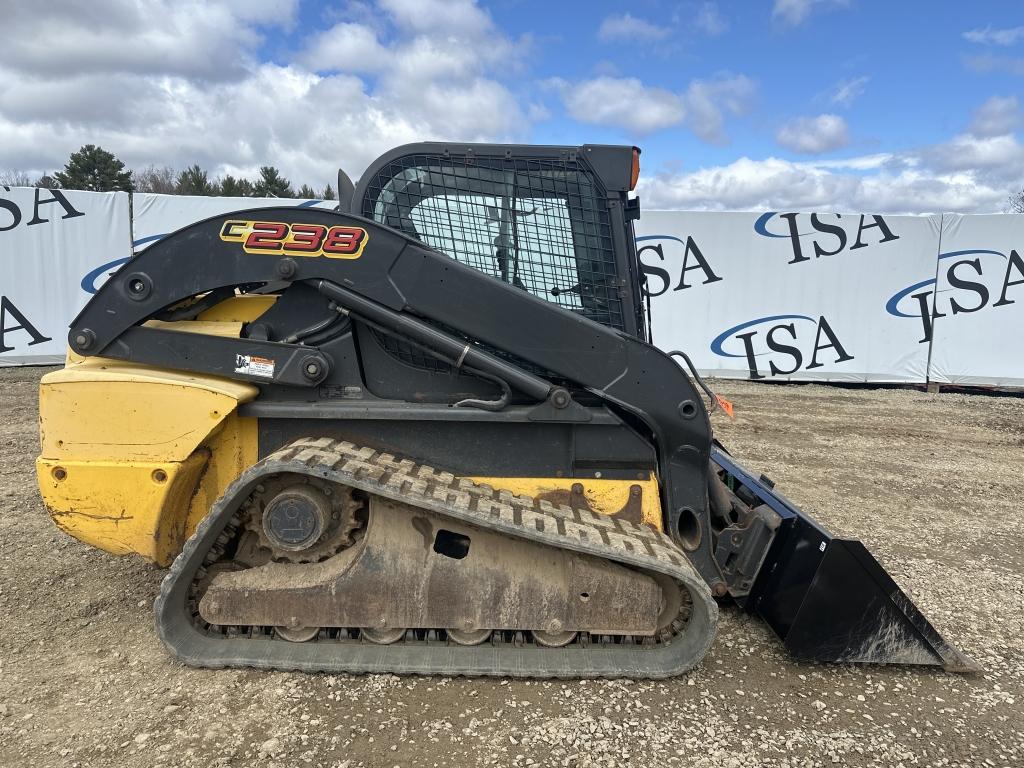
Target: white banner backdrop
978 314
784 296
51 241
156 216
788 296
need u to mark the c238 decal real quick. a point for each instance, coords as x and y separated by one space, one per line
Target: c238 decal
273 237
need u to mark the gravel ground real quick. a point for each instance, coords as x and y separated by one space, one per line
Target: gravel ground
930 482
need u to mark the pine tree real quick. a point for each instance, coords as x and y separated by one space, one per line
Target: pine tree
272 184
306 191
194 181
232 187
328 193
94 169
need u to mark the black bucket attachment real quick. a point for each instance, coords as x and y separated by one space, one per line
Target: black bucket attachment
829 599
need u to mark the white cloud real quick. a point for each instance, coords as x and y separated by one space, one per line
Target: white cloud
709 100
628 27
814 135
190 89
86 101
996 117
973 172
775 184
876 162
623 103
212 41
702 16
794 12
848 91
990 36
628 104
997 157
345 47
441 18
193 89
709 19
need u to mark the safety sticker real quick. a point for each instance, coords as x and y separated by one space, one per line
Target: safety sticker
254 366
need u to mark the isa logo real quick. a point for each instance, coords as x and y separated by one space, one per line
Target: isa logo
969 281
15 326
781 345
13 215
663 271
810 234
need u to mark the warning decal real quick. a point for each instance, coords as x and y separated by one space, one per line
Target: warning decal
254 366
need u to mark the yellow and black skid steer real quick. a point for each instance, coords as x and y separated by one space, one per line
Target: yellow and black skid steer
428 433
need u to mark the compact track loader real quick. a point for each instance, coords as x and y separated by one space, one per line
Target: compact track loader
427 433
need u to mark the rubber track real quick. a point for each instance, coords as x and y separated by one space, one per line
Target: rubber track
444 494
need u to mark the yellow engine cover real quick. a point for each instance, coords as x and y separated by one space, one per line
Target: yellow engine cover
133 456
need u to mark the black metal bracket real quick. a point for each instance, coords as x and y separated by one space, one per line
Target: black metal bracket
264 362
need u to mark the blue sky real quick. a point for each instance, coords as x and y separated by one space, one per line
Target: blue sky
813 104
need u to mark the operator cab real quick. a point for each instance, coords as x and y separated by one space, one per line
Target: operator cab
554 221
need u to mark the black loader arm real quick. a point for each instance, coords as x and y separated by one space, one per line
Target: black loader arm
393 282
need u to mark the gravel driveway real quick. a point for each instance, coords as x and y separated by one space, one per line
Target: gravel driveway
931 483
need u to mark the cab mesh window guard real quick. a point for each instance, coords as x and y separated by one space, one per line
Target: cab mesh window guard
537 224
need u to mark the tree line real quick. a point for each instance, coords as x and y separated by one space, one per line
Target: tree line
94 169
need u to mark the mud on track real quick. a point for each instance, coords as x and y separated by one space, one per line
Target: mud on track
931 483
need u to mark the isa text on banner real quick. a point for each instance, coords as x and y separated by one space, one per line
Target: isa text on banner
977 318
787 296
50 241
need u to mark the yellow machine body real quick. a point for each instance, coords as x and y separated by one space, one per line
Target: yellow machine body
133 457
